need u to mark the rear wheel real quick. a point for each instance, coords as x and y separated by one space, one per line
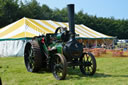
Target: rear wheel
88 66
59 66
32 57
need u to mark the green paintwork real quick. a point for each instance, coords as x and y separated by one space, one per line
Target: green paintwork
58 36
59 48
45 48
42 45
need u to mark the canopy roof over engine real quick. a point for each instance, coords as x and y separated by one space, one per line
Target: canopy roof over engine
28 28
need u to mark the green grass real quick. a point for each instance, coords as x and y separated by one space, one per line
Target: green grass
110 71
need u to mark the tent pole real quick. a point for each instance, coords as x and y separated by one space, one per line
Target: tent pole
96 43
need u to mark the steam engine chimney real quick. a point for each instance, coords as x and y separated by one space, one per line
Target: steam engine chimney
71 20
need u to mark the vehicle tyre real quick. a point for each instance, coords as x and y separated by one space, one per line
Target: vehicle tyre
88 66
32 57
59 66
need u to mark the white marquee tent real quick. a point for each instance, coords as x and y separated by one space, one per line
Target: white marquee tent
14 36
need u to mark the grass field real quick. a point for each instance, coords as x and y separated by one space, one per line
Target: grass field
110 71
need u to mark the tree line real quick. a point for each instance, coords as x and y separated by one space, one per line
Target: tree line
12 10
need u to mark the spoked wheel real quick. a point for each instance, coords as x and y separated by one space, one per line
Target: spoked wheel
29 59
59 66
32 57
88 66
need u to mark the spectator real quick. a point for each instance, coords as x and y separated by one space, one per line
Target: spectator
103 46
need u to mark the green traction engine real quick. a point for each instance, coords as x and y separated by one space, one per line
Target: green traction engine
55 52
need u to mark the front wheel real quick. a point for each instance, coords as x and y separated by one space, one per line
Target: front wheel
59 66
88 66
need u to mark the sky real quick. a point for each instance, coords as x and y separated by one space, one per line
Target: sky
100 8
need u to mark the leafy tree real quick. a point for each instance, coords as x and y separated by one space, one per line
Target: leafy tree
12 10
30 9
8 11
60 15
46 12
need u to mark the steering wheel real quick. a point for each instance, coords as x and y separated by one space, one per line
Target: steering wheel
58 29
64 33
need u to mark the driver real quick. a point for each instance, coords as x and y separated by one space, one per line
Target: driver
65 36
